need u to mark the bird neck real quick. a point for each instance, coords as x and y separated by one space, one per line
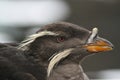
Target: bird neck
67 71
35 58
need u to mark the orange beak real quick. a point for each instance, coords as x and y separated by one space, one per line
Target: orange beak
100 45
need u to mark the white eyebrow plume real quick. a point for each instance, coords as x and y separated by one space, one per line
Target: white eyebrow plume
25 44
94 33
56 59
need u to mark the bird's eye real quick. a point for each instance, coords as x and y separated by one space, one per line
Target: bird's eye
60 39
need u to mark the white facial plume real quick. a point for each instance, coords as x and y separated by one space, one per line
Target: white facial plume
24 45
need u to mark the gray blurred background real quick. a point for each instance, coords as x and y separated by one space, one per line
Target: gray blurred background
20 18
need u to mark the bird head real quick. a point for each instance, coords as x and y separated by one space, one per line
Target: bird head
64 43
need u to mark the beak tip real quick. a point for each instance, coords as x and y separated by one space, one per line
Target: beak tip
110 44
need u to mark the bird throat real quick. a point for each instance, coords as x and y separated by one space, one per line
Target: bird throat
63 58
67 72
